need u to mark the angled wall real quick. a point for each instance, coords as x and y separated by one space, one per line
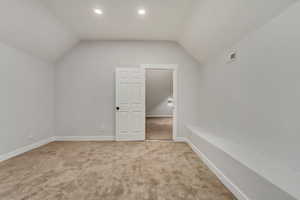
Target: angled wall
216 25
29 26
251 108
26 101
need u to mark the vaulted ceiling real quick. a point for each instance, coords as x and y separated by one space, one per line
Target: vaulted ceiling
164 19
49 28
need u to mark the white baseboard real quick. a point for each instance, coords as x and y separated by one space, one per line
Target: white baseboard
180 139
26 149
84 138
239 194
30 147
169 116
128 137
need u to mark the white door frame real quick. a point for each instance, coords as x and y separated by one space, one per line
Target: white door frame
174 68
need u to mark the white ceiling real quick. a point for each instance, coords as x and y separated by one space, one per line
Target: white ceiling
164 19
205 28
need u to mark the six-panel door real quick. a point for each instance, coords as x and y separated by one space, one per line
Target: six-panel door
130 104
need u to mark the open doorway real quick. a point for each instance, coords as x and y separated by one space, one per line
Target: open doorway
160 103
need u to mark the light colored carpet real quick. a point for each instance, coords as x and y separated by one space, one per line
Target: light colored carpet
159 128
110 171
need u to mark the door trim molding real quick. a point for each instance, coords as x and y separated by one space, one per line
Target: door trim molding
174 68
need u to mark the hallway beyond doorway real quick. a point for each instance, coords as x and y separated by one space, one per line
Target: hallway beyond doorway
159 128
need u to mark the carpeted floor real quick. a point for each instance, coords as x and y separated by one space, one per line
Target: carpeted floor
159 128
109 171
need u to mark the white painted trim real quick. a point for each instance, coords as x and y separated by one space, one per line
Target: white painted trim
25 149
181 139
30 147
239 194
84 138
130 137
173 67
169 116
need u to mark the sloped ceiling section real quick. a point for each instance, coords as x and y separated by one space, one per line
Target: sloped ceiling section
163 21
216 25
205 28
29 26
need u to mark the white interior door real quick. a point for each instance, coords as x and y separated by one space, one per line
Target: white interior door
130 104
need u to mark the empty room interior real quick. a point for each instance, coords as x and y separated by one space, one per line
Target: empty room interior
149 100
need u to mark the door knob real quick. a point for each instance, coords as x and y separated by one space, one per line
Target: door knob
118 108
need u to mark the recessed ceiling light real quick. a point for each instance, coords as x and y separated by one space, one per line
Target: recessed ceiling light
142 12
98 11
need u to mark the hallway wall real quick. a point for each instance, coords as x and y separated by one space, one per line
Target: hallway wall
159 85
